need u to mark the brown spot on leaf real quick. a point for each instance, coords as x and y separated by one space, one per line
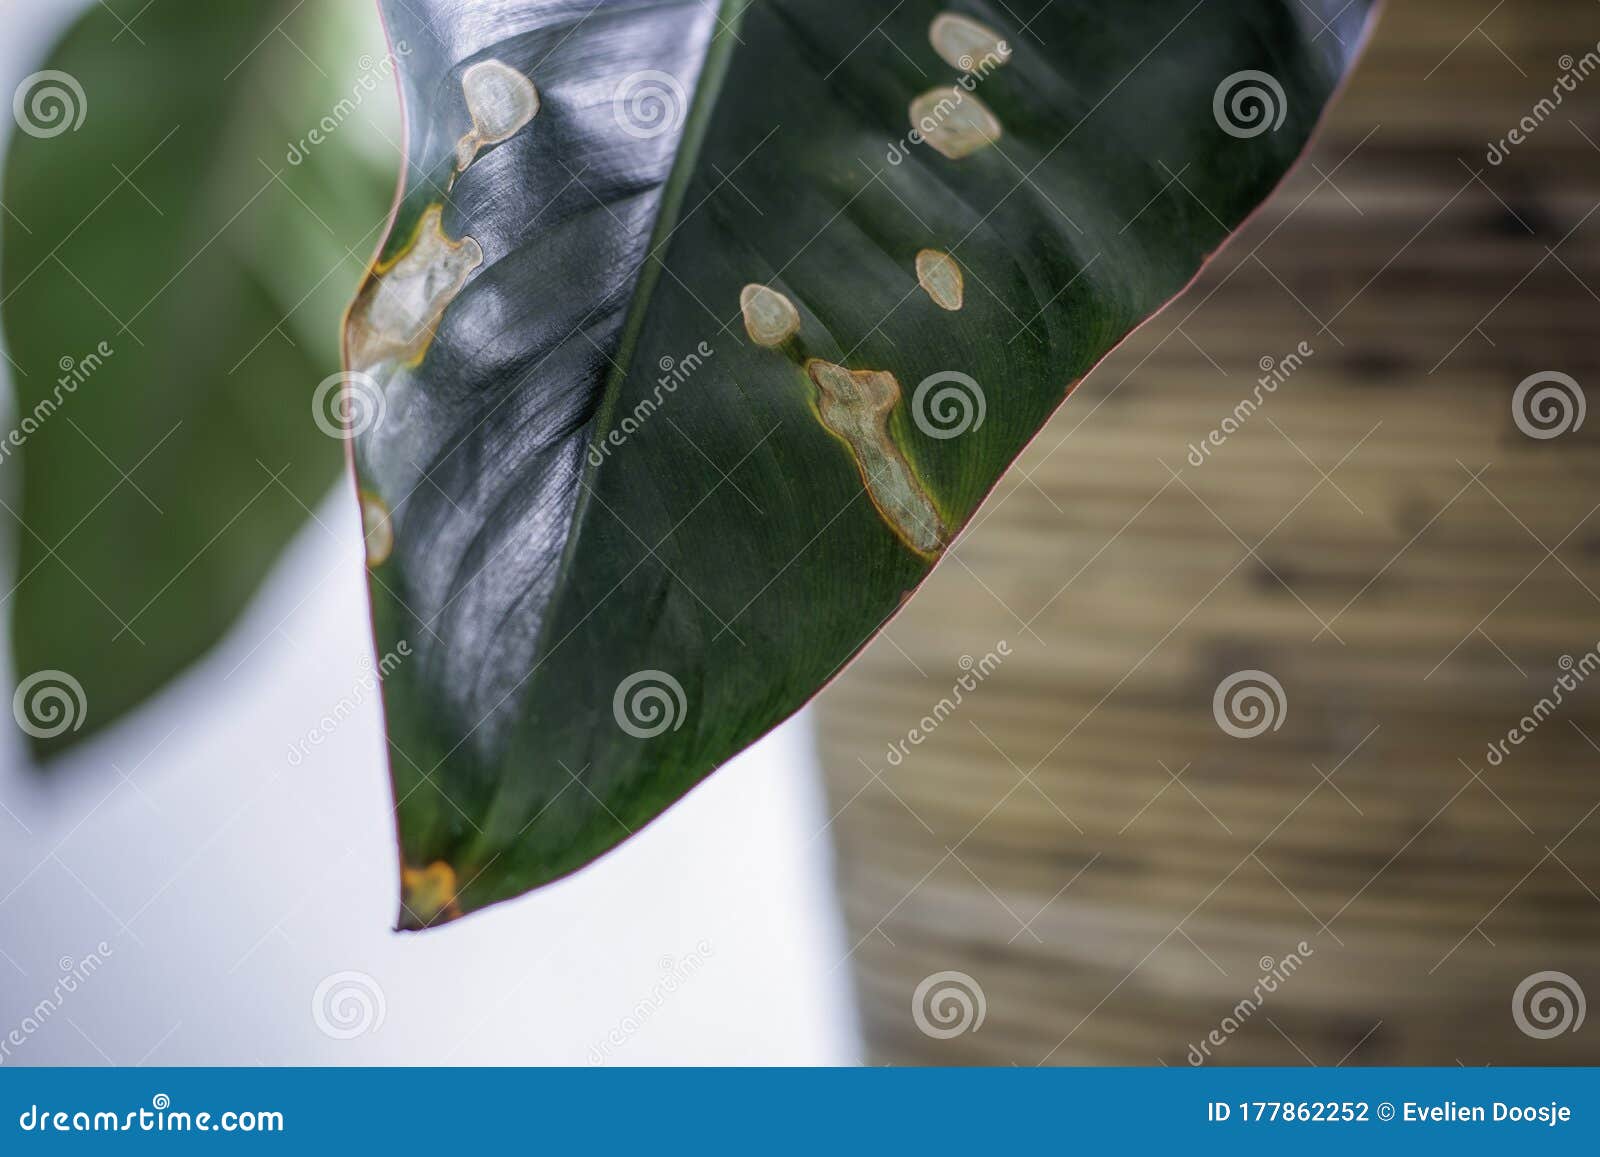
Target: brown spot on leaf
500 101
940 278
398 308
855 406
954 121
770 318
963 43
376 528
428 895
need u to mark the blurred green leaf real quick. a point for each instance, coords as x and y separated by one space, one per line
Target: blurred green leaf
614 537
190 197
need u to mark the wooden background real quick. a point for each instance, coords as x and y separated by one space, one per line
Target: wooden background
1380 537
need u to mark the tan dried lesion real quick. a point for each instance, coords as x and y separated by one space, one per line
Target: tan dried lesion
428 895
855 406
954 121
941 278
770 318
500 101
398 308
377 529
965 43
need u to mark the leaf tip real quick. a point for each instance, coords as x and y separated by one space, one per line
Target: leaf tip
428 897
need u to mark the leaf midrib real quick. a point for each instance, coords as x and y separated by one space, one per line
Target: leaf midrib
713 73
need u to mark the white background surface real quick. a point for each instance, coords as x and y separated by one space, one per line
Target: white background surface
229 884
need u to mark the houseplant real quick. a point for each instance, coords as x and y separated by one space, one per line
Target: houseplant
696 337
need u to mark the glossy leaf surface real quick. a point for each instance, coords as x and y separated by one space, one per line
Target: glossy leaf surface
692 358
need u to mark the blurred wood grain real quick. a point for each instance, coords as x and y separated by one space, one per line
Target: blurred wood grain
1080 837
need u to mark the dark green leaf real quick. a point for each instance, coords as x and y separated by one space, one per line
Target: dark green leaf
176 253
614 539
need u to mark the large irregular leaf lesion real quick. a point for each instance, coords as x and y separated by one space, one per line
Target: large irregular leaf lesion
398 308
855 406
